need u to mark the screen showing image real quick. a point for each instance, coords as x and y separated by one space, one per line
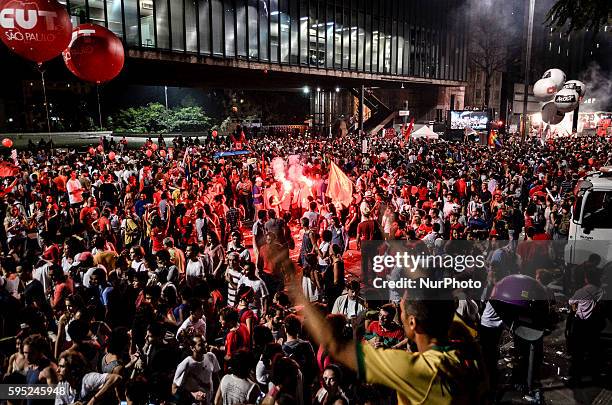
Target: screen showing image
474 119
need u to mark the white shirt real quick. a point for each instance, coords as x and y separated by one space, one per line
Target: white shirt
75 191
347 307
586 298
199 326
196 271
91 382
43 275
193 376
236 390
490 319
260 289
309 289
138 265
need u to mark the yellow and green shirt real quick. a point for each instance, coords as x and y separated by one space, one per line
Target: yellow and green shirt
440 376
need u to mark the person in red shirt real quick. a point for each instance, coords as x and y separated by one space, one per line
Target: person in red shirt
385 332
238 335
158 234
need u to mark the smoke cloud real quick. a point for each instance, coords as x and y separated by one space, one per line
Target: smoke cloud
291 174
598 95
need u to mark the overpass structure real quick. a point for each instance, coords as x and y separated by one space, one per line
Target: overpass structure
326 45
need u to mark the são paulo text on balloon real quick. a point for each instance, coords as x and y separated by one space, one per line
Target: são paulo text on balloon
38 30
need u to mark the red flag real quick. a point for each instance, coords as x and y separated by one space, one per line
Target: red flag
340 187
409 130
7 169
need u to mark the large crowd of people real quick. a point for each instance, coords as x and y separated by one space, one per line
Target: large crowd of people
167 274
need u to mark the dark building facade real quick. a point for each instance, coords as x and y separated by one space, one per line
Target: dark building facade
415 38
289 45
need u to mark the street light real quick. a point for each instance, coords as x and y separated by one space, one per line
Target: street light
337 89
306 90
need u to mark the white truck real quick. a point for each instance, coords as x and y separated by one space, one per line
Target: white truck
590 228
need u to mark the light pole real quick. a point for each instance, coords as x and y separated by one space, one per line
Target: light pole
527 68
166 95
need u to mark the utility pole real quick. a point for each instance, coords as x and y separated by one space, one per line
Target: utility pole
361 97
527 68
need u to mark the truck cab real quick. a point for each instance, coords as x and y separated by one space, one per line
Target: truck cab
590 228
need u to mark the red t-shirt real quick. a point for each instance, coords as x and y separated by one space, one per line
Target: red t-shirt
157 237
389 337
236 339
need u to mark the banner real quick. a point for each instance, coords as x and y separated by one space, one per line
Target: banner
231 153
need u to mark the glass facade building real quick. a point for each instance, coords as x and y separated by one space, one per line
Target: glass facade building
416 38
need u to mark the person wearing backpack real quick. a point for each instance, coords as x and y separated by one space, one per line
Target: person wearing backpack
301 351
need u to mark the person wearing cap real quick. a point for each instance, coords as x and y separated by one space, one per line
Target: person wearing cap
366 204
368 229
42 273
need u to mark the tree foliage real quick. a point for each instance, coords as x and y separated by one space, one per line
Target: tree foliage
491 43
154 117
576 15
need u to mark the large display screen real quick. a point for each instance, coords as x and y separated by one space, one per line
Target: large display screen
473 119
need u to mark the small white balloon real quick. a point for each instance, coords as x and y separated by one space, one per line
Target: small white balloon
577 85
557 76
544 89
566 100
550 114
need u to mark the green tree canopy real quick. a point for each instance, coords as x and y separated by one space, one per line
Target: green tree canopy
154 117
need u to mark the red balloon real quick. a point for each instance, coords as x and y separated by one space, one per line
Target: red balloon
154 147
95 54
162 153
38 30
149 153
7 143
111 155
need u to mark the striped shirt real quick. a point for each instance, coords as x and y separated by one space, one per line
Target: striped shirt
234 276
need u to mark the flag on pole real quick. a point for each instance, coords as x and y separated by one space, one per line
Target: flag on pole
409 130
493 139
340 187
8 170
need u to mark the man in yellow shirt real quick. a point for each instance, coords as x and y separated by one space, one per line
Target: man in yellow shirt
441 372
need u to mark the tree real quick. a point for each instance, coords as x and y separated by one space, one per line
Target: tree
188 119
490 45
154 117
581 15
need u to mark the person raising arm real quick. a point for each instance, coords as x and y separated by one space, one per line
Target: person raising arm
440 372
